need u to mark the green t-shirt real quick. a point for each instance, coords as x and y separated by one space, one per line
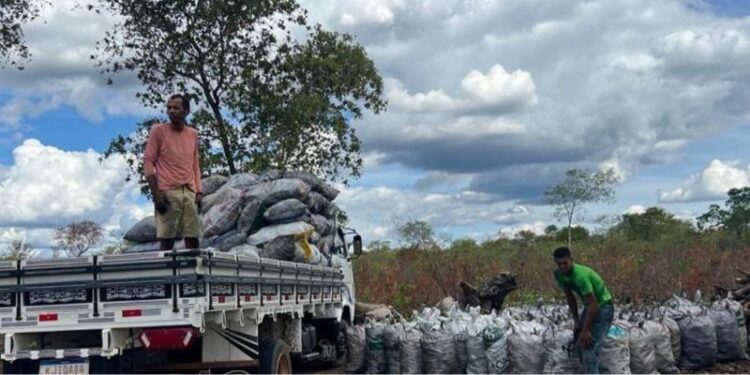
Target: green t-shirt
584 281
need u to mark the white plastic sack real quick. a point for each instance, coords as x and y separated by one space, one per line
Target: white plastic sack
674 335
739 312
285 211
411 352
475 349
728 343
250 219
392 337
615 355
221 218
274 191
662 342
561 354
376 362
270 232
498 356
226 241
246 250
439 352
315 183
211 184
143 231
526 349
642 357
135 247
699 345
318 204
356 348
221 196
240 181
321 224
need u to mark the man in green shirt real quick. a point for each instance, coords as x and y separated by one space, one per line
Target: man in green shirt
593 325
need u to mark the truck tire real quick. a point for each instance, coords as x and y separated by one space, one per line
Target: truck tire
274 357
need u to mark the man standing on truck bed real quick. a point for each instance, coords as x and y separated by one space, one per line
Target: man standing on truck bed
171 165
593 325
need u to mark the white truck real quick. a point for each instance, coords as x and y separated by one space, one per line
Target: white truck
174 311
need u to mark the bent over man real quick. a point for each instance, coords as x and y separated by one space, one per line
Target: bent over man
593 325
171 167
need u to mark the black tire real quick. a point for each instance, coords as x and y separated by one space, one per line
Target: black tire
274 357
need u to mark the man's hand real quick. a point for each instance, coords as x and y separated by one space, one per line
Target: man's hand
198 200
585 339
161 204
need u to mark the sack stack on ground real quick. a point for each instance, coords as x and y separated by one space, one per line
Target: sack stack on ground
540 339
280 215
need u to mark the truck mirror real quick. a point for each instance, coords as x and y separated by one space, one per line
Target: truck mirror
357 242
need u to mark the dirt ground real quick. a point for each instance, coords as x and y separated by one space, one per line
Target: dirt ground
741 367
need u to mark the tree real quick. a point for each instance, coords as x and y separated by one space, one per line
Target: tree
735 218
18 249
576 234
416 234
265 100
13 15
77 238
578 188
550 230
651 225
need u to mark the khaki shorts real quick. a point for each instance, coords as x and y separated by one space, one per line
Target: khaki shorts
181 218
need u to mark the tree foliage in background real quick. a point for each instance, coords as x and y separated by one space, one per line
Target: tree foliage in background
415 234
578 188
734 218
77 238
652 225
265 99
13 15
18 249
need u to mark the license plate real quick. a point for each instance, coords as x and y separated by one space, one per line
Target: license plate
78 366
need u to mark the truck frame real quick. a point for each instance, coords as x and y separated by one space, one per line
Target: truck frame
173 311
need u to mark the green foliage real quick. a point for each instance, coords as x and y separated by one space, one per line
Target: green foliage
416 234
13 15
264 99
734 219
580 187
651 225
577 234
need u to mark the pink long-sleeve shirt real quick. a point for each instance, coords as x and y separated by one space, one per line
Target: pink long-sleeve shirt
173 157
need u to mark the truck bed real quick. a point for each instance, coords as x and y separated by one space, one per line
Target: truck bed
110 295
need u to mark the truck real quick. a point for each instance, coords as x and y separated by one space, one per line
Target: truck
174 312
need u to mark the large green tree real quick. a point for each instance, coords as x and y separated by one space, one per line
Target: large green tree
734 218
13 15
271 90
651 225
578 188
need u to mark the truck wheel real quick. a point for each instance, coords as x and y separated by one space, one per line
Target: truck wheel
274 357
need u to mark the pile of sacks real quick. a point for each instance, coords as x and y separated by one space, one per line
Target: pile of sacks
280 215
540 339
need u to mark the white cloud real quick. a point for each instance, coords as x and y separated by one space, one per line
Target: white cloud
635 209
712 183
47 188
501 88
372 210
536 227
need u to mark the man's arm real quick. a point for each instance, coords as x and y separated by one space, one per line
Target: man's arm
573 306
197 173
591 309
150 155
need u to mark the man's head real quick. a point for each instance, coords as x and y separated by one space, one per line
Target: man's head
563 260
178 107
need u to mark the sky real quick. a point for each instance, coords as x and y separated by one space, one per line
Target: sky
490 102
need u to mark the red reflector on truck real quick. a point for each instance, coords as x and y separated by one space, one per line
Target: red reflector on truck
50 317
131 313
167 338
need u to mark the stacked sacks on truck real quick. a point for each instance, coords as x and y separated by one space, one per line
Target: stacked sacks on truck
287 216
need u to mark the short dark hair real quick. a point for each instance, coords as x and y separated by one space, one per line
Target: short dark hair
561 252
185 101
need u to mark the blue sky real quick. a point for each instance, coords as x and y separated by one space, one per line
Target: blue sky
489 104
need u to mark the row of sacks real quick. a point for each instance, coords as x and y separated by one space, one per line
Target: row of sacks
541 340
279 215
